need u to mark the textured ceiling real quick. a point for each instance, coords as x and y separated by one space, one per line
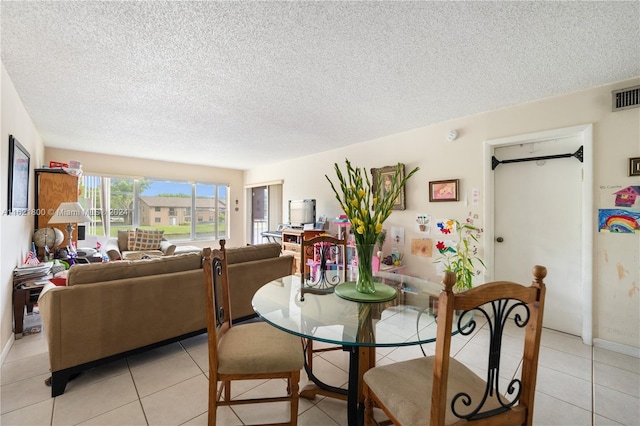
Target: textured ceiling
240 84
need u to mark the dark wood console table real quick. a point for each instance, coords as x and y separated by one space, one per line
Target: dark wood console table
24 296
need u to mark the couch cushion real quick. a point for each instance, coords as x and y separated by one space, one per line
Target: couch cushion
186 249
131 238
250 253
109 271
144 254
147 239
123 240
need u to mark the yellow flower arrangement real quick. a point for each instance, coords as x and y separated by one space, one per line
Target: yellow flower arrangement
365 208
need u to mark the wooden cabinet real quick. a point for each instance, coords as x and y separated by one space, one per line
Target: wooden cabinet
54 186
292 243
291 240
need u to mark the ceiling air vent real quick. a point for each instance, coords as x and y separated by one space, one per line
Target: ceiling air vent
626 98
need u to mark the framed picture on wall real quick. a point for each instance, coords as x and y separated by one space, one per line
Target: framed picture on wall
18 191
384 177
634 166
444 190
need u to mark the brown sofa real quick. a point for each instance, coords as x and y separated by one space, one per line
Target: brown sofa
116 309
249 268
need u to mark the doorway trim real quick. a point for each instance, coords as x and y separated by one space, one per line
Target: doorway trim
585 132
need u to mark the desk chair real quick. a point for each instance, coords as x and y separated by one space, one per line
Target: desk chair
439 390
246 351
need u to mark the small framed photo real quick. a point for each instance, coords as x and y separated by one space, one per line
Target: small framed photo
384 177
444 190
634 166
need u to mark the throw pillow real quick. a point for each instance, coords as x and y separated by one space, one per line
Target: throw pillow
131 239
123 240
147 239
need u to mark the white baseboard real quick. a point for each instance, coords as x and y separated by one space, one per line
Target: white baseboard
617 347
7 348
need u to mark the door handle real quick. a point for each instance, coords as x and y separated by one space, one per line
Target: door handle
499 239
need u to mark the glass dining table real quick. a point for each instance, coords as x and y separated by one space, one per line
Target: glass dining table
359 327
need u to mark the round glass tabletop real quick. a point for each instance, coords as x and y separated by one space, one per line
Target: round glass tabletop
408 319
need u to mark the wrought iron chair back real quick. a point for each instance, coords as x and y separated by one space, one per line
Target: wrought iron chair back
457 393
323 265
323 261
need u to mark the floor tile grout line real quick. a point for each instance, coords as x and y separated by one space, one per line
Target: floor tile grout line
194 360
144 413
626 370
23 407
561 400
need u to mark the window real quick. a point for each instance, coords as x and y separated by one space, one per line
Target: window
109 202
183 210
222 203
207 208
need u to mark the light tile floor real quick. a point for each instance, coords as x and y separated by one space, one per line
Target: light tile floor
577 385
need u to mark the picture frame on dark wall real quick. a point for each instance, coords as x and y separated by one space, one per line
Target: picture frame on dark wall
19 167
444 190
384 177
634 166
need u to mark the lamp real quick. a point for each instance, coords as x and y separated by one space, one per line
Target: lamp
69 213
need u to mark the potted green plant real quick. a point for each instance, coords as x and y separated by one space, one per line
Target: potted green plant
459 256
381 237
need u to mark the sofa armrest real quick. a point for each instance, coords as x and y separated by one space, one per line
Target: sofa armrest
112 249
167 248
47 287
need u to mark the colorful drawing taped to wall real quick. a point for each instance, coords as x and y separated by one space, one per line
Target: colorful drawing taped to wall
446 226
618 221
627 197
422 247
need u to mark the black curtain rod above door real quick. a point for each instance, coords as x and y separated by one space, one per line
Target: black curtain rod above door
495 162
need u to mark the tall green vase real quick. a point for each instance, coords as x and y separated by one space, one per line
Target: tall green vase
365 282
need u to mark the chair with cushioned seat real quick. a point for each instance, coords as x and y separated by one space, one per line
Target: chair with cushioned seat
247 351
323 266
440 390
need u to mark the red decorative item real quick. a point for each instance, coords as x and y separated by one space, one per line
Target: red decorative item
60 282
57 165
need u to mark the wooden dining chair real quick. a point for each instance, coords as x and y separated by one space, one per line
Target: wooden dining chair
247 351
440 390
323 260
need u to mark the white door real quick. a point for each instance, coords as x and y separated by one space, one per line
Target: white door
538 221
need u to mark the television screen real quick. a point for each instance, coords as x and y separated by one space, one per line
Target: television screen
302 212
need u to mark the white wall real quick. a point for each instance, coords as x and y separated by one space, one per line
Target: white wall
15 231
616 139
